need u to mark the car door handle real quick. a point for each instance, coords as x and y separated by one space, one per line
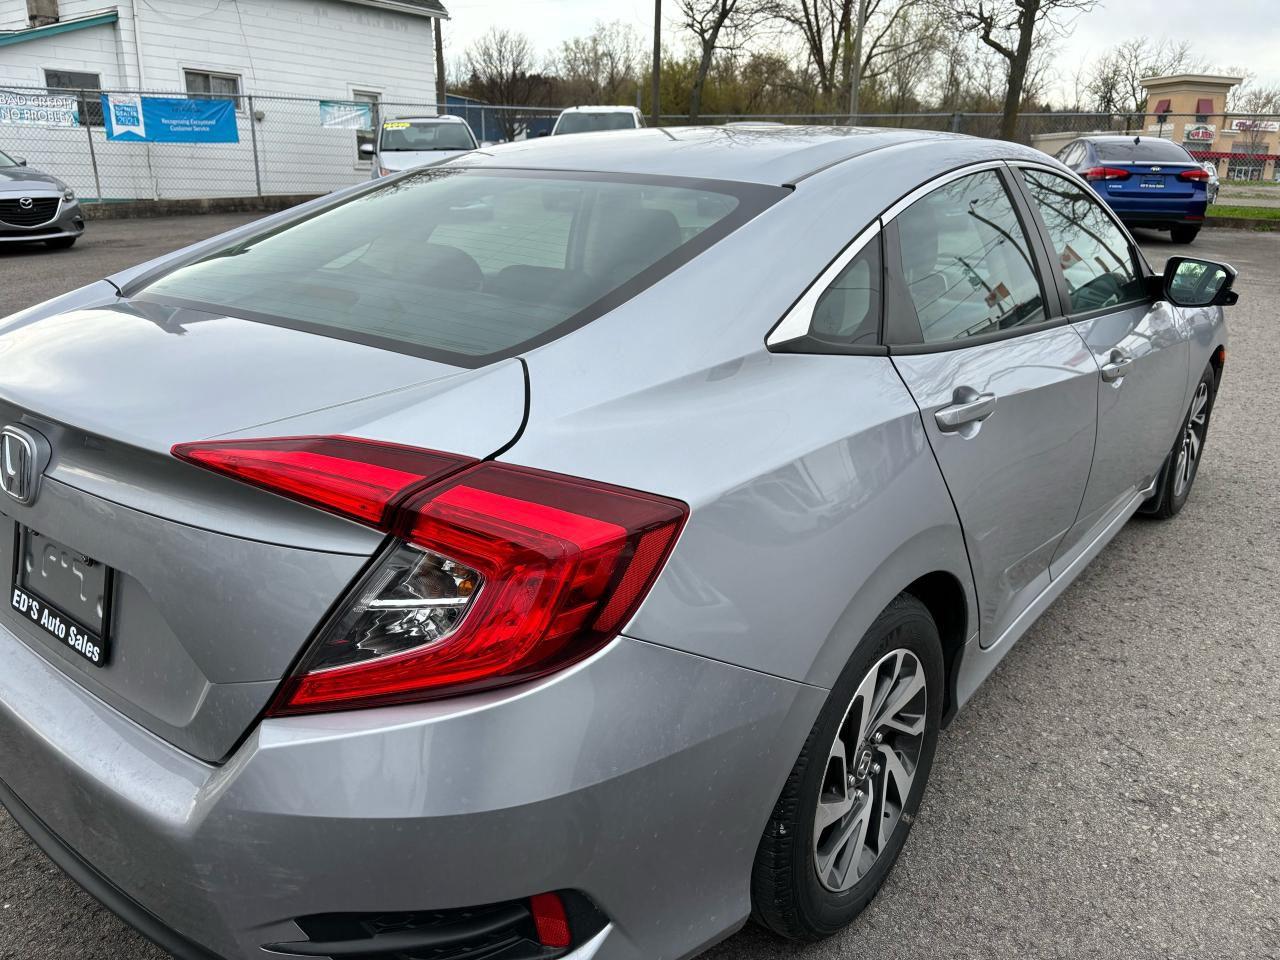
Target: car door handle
1117 366
967 406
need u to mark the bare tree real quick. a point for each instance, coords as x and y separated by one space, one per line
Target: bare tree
1009 28
604 66
827 28
1113 83
718 25
500 68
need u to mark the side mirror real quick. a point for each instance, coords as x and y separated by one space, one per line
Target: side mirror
20 161
1189 282
367 149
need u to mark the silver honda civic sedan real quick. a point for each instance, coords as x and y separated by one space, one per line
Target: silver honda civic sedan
572 550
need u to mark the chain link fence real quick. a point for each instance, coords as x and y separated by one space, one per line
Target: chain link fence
284 147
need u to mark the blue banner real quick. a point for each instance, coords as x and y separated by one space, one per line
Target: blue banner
139 119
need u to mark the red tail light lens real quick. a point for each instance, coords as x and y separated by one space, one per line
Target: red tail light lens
361 480
1106 173
498 574
550 920
1197 174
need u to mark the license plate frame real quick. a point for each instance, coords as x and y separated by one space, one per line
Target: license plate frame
89 641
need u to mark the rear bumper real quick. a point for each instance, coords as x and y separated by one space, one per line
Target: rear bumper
642 778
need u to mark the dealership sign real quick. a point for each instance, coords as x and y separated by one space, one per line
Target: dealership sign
29 110
138 119
1200 132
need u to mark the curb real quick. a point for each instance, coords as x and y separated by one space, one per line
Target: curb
137 209
1243 223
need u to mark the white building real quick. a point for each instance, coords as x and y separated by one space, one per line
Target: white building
269 50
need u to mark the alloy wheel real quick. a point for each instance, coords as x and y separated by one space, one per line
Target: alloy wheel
870 768
1192 441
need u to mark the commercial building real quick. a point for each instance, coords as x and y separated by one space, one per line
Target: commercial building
1191 109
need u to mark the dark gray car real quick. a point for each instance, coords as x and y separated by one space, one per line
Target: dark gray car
37 207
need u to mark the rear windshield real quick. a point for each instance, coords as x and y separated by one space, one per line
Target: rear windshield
465 265
1126 151
401 135
590 122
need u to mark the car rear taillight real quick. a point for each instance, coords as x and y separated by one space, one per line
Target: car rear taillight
1106 173
1197 174
496 573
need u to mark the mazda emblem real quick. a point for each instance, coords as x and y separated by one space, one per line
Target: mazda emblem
20 463
26 203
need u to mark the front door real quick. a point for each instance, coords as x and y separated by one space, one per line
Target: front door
1009 399
1140 347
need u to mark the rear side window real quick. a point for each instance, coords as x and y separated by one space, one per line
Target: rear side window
464 265
1094 254
848 312
1152 149
966 261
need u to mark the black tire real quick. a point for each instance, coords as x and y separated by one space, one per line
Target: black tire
787 896
1183 234
61 243
1171 495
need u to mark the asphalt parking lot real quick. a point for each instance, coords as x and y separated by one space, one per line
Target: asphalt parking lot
1113 790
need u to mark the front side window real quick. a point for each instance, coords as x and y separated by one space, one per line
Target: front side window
966 261
84 87
465 265
1092 251
413 135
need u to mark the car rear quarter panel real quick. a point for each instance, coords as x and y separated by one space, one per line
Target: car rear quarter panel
814 495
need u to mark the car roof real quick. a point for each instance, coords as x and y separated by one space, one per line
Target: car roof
600 108
769 155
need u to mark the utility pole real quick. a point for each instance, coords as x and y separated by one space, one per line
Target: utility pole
655 108
440 91
855 68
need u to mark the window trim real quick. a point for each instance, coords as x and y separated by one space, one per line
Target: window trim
1143 269
906 311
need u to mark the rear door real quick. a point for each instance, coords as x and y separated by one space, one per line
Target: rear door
1141 347
1007 390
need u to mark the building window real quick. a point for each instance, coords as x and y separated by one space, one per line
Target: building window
223 86
84 87
368 135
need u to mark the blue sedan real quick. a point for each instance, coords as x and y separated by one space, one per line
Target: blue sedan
1147 181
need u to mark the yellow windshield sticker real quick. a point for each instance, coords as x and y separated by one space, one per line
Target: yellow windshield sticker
396 125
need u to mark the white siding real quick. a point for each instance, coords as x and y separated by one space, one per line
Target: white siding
280 49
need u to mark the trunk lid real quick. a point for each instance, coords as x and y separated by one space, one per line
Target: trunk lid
214 587
1157 181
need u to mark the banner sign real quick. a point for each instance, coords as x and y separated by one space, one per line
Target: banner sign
30 110
346 115
139 119
1199 132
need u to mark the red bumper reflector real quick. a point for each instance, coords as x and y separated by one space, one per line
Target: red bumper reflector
550 920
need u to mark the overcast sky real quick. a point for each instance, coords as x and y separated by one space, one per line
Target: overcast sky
1224 31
